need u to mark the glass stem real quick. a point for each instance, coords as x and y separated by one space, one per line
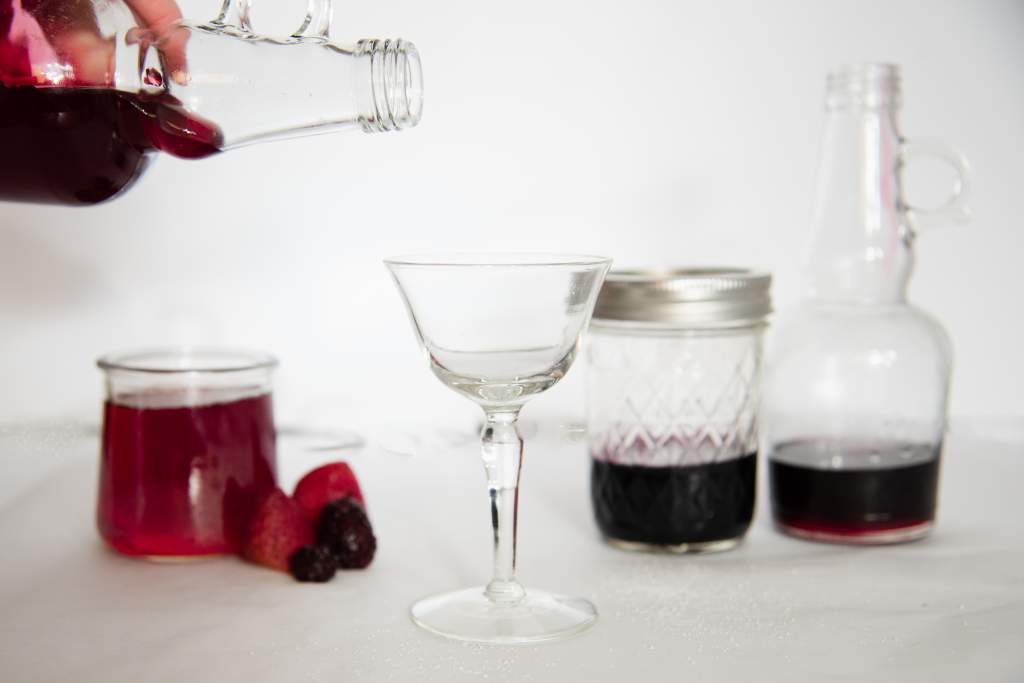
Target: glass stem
503 457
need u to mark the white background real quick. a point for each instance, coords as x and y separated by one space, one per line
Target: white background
656 132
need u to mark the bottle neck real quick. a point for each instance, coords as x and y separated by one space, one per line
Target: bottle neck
861 251
389 85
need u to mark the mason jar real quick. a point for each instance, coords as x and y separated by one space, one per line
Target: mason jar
674 366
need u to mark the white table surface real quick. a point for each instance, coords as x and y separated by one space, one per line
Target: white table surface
950 608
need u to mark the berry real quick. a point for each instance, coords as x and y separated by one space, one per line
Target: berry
345 529
355 548
342 513
279 527
324 484
313 563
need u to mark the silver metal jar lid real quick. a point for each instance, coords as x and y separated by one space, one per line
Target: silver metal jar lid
686 297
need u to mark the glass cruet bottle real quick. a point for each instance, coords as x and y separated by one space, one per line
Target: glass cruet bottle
857 378
89 89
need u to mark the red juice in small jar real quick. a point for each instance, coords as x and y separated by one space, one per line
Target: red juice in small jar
181 478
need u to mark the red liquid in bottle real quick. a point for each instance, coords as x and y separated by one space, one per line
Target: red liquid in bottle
890 496
82 146
183 480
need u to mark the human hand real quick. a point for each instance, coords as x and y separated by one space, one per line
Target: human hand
58 42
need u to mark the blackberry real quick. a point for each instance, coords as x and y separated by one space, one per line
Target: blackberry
357 548
345 529
342 512
313 563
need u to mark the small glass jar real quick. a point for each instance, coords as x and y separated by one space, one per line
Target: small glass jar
674 364
188 448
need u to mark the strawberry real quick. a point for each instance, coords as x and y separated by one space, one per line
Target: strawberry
279 527
325 484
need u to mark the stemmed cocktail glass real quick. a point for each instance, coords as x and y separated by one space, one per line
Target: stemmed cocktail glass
500 329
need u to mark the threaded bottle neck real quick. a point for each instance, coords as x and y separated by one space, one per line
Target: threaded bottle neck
394 100
863 86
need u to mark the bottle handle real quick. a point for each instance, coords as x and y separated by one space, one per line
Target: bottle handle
233 16
955 209
316 24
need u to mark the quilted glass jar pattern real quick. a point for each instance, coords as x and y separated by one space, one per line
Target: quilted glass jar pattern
674 365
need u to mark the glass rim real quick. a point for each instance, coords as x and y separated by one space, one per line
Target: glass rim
498 259
174 360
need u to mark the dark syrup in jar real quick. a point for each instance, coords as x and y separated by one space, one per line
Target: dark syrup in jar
674 505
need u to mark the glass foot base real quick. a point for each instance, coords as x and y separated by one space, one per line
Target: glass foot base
469 615
676 548
903 534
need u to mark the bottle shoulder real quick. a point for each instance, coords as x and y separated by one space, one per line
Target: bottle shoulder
826 325
811 314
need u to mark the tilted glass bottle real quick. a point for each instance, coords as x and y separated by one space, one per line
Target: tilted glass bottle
856 378
89 89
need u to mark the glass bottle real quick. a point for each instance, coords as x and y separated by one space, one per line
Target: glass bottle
856 378
89 89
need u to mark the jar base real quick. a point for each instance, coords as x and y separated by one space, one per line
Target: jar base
180 559
904 534
675 548
147 554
